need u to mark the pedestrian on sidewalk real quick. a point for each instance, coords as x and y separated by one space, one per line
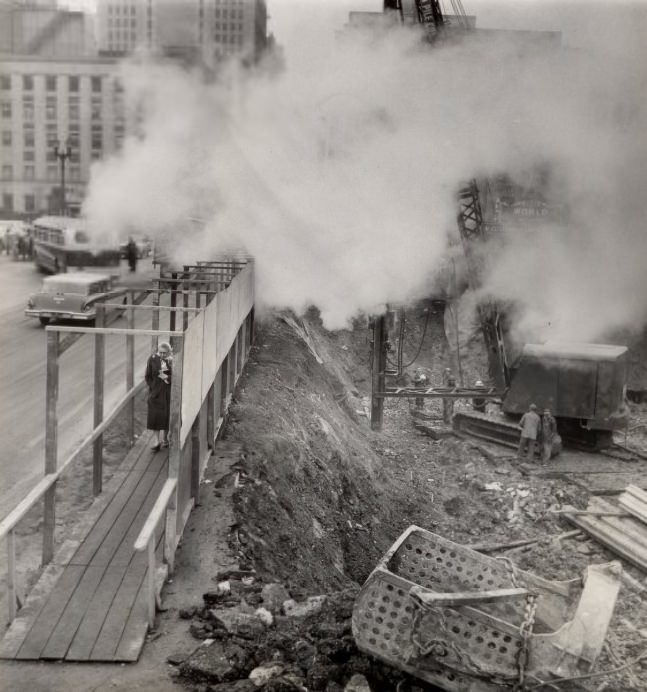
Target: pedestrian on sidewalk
159 370
131 254
530 423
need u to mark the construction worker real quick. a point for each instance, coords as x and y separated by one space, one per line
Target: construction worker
419 380
530 423
478 404
448 404
548 432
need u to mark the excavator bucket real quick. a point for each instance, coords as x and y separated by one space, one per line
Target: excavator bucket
467 622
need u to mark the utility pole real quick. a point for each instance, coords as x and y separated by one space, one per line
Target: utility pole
62 153
378 380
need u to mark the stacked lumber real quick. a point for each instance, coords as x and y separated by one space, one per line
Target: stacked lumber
625 535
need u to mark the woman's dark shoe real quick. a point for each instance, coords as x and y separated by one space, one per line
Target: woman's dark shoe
156 448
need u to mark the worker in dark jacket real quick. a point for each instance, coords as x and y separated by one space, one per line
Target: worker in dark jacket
478 403
159 370
530 424
548 432
448 404
419 382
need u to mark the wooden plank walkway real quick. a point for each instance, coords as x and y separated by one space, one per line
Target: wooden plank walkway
89 604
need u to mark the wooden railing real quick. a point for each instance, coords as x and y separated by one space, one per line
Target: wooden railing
219 276
146 541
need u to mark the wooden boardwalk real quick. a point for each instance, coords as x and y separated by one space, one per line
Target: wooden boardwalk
89 604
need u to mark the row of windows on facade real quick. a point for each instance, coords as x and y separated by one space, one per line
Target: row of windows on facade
52 139
51 109
122 24
52 172
51 82
118 9
53 201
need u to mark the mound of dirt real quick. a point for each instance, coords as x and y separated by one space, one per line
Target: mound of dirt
320 497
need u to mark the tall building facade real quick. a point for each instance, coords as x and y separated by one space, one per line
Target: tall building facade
72 102
203 30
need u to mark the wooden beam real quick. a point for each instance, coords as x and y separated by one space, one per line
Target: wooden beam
155 515
99 381
378 368
110 330
51 445
156 320
175 423
130 375
159 308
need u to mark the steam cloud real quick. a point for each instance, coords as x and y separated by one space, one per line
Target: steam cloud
340 179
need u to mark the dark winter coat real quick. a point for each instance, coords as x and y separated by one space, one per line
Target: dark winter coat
159 392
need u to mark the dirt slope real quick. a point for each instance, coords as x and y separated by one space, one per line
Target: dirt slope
320 496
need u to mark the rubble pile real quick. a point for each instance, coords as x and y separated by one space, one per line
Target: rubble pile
319 498
258 636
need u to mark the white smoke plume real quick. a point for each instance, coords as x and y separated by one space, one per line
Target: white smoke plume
339 176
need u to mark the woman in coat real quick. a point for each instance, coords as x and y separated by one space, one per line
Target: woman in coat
159 370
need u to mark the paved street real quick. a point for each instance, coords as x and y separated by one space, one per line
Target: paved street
22 374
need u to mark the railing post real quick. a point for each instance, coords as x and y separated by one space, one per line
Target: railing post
173 301
156 318
175 446
99 377
224 390
13 598
185 314
130 371
51 444
150 594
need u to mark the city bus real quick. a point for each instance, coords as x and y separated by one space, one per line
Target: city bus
62 243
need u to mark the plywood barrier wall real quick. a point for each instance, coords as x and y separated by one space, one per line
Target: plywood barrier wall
207 341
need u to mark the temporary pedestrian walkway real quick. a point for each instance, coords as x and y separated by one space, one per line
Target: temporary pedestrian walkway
90 603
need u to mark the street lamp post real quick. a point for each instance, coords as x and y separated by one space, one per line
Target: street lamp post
62 153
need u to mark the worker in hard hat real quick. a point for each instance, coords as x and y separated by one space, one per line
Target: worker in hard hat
478 403
448 404
548 432
530 425
419 380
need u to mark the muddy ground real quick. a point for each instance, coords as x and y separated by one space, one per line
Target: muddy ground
311 498
319 497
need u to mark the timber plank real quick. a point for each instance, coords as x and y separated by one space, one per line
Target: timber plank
125 553
125 523
61 638
95 615
49 616
134 634
105 524
21 626
113 627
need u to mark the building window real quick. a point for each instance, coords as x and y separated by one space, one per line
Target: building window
51 134
29 140
6 138
27 82
7 202
30 203
28 108
96 137
95 109
28 155
5 82
73 108
52 172
5 108
7 171
50 108
50 82
73 83
75 173
30 172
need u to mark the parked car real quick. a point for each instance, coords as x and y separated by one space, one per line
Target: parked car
71 296
144 246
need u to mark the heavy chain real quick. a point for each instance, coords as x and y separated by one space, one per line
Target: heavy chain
525 631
